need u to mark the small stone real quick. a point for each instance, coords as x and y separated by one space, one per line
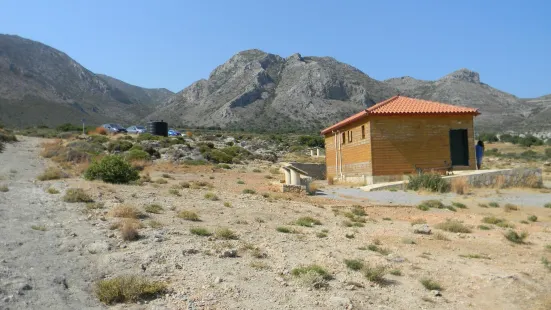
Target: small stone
178 266
8 298
217 280
190 251
436 293
228 253
423 229
280 279
339 302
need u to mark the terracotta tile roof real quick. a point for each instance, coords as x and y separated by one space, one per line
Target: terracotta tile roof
400 105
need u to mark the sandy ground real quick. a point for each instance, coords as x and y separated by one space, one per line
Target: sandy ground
478 270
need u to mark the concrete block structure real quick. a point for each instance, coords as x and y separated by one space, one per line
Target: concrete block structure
398 137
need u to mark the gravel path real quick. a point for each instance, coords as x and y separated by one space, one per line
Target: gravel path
48 269
411 198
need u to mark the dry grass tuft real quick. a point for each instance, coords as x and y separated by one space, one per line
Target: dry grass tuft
125 211
52 190
189 216
510 207
459 186
431 285
76 195
226 234
453 226
124 289
515 237
129 229
52 173
154 208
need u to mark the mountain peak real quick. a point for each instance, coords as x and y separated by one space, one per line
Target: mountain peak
463 75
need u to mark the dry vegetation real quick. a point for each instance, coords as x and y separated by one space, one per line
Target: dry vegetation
229 239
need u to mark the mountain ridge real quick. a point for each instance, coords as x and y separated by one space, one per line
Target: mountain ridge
253 90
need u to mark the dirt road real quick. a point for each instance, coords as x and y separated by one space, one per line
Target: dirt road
44 262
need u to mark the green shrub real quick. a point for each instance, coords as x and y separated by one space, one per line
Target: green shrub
354 264
510 207
4 189
547 205
99 139
358 210
427 204
76 195
431 285
112 169
428 181
515 237
375 274
69 127
497 221
285 230
494 204
125 289
200 231
459 205
300 271
484 227
119 146
307 221
53 191
249 191
533 218
211 196
136 154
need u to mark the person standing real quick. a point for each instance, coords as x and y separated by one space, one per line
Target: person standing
479 152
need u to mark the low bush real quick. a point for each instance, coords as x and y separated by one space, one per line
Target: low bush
124 289
129 230
515 237
4 189
453 226
354 264
125 211
427 204
99 139
135 154
547 205
188 216
307 221
375 274
431 285
300 271
200 231
510 207
358 210
533 218
52 173
153 208
53 191
76 195
112 169
497 221
119 146
249 191
459 205
226 234
428 181
494 204
211 196
285 230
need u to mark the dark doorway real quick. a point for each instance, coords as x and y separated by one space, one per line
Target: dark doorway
459 147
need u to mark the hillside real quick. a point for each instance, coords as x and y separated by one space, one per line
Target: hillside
40 85
255 90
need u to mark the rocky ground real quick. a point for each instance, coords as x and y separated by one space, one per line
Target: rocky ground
53 252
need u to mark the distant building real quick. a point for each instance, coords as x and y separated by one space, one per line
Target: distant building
398 137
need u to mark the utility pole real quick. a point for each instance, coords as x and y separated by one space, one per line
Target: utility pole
83 127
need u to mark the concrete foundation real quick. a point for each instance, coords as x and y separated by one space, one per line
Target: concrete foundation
293 188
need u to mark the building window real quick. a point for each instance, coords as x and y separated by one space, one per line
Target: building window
349 136
343 138
363 131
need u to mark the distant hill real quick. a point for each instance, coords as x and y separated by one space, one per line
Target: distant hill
253 90
40 85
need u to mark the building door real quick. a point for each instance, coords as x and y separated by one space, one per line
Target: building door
459 147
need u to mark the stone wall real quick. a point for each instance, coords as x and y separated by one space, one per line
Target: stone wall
520 177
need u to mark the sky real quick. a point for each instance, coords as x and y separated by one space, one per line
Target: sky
171 44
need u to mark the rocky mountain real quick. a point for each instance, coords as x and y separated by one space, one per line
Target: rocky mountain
255 90
463 87
40 85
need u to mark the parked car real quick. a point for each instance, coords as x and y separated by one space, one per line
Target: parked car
136 129
114 128
173 133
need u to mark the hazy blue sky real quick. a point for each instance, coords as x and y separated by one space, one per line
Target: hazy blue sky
173 43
